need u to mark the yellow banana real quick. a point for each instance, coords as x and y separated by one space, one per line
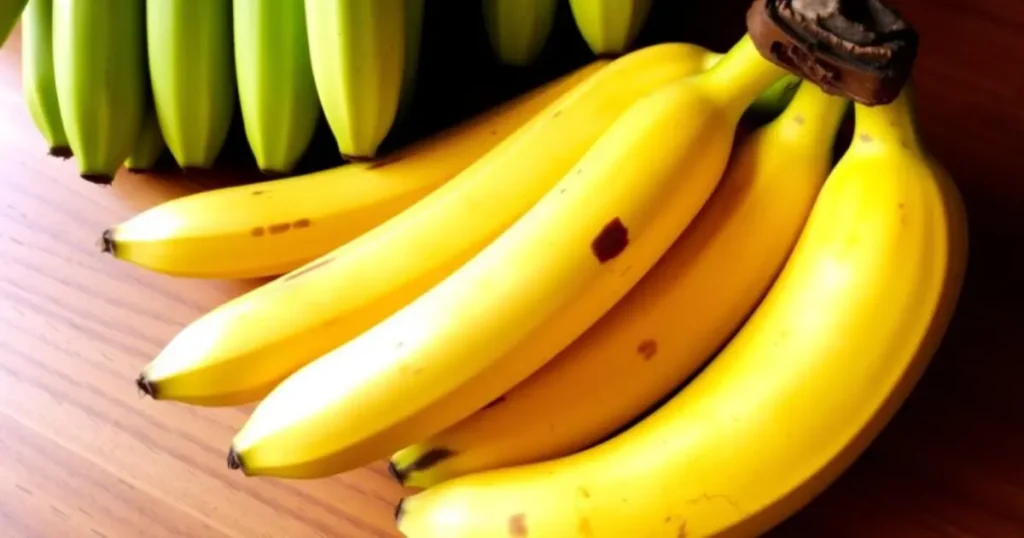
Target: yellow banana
10 11
609 26
824 362
357 49
37 75
238 232
242 349
525 297
275 81
684 309
100 73
191 67
518 29
150 145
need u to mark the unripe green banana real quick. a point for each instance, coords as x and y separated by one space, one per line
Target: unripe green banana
192 71
37 77
10 10
358 49
278 98
100 72
610 26
518 29
150 145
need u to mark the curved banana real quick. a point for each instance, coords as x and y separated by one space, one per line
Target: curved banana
358 52
518 29
10 10
100 72
684 309
237 232
150 145
276 92
521 300
609 26
245 347
37 76
824 362
192 71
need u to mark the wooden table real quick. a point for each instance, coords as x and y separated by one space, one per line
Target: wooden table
83 454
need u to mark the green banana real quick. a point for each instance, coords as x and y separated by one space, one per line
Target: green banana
278 98
37 77
100 73
357 49
518 29
10 10
191 68
150 145
609 26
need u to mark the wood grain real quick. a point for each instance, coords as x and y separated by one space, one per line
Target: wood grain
84 455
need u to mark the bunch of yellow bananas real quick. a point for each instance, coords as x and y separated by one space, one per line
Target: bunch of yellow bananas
592 311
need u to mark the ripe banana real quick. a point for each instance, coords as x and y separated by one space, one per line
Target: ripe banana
238 232
278 98
37 76
10 10
239 351
808 382
100 72
192 72
526 296
518 29
683 310
357 49
609 26
150 145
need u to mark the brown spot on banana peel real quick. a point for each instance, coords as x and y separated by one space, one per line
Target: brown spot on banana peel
611 241
257 193
517 526
301 223
257 231
866 138
279 228
682 531
648 349
427 460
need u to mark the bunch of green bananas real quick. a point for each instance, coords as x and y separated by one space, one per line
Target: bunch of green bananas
116 82
592 311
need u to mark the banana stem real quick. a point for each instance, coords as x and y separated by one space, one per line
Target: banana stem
740 76
892 123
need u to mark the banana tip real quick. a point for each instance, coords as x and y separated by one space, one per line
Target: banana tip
145 386
399 511
62 152
396 473
234 460
108 246
98 179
